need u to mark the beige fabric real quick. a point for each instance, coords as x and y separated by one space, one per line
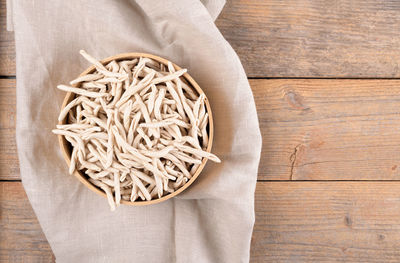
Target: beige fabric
210 222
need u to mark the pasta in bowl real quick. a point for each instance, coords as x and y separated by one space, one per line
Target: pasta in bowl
135 128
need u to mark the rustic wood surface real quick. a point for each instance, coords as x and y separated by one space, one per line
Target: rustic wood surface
7 48
9 167
315 132
295 222
327 222
21 238
326 129
319 38
322 129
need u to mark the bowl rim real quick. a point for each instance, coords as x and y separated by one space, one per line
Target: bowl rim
64 144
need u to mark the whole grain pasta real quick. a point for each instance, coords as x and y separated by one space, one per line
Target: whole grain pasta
136 127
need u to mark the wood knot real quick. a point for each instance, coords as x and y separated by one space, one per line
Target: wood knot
347 221
296 101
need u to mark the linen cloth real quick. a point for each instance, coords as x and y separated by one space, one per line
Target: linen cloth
212 221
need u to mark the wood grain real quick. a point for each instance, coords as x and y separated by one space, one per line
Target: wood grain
7 47
327 222
329 129
9 166
312 129
297 39
21 238
319 38
295 222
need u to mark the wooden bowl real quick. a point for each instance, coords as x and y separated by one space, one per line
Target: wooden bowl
66 146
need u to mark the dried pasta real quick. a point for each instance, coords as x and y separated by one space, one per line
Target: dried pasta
137 129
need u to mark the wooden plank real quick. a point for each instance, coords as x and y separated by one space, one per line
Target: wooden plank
21 238
297 39
7 47
295 222
329 129
9 166
319 38
312 129
327 222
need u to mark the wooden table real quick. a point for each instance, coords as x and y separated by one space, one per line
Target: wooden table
325 77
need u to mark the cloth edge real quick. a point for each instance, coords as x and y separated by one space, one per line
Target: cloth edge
10 22
214 7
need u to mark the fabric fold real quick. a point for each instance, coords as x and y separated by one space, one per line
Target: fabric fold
212 221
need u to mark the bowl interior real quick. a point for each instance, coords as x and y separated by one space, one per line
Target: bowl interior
66 147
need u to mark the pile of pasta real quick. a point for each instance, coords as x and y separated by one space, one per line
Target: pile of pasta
137 129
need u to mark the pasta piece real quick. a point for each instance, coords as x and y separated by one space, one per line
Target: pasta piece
157 154
157 104
140 185
86 78
74 126
117 189
185 158
107 190
126 146
137 128
76 137
133 89
144 177
73 161
132 127
151 99
68 108
92 60
134 194
127 113
198 152
82 92
92 85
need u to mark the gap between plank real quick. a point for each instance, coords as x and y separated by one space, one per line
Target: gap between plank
321 78
320 181
267 181
10 180
299 78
